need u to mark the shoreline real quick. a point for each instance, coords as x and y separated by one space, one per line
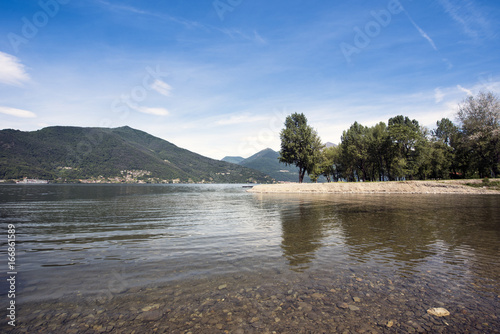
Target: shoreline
389 187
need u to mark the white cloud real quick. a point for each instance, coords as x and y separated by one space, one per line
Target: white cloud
438 95
239 119
17 112
124 8
161 87
12 72
422 32
233 33
152 111
465 90
466 14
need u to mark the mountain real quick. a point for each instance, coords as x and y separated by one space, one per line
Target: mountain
267 162
117 155
233 160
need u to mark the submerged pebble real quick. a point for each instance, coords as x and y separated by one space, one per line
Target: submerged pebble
314 306
438 312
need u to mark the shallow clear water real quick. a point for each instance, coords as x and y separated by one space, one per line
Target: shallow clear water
75 241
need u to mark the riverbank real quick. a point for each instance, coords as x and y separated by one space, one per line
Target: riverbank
393 187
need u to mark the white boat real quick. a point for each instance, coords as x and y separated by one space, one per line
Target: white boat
32 181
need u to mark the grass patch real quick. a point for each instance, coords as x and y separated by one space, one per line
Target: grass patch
486 183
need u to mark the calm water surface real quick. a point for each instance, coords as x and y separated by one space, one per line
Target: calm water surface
104 241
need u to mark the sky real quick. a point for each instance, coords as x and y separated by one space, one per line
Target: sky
219 77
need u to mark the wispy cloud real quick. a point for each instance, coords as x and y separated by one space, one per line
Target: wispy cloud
152 111
17 112
438 95
115 6
231 32
241 119
12 72
134 10
421 31
466 14
465 90
258 38
161 87
238 34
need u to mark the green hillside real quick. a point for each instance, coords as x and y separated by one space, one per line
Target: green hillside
233 160
119 154
267 162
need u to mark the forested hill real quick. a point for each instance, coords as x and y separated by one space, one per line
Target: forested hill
115 155
267 162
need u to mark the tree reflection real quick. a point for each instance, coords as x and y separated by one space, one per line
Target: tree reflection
390 234
398 234
302 233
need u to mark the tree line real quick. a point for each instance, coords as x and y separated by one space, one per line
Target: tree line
402 149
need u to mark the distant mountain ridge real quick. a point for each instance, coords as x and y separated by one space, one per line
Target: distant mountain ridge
267 162
116 155
233 160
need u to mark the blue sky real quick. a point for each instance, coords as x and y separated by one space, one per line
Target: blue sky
219 77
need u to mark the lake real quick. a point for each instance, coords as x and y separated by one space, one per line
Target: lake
214 258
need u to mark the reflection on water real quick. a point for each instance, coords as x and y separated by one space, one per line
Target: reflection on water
456 235
72 238
302 233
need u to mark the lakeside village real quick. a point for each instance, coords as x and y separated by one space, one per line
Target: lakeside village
127 176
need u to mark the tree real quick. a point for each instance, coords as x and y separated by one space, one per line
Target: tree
300 145
446 131
330 164
355 151
379 151
446 150
440 160
480 118
405 135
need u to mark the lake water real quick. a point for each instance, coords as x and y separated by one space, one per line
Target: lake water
214 258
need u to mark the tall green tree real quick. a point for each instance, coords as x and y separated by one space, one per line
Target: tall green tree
300 145
354 147
405 135
480 120
330 165
446 150
446 132
379 147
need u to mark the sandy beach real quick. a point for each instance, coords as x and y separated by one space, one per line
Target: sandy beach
393 187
